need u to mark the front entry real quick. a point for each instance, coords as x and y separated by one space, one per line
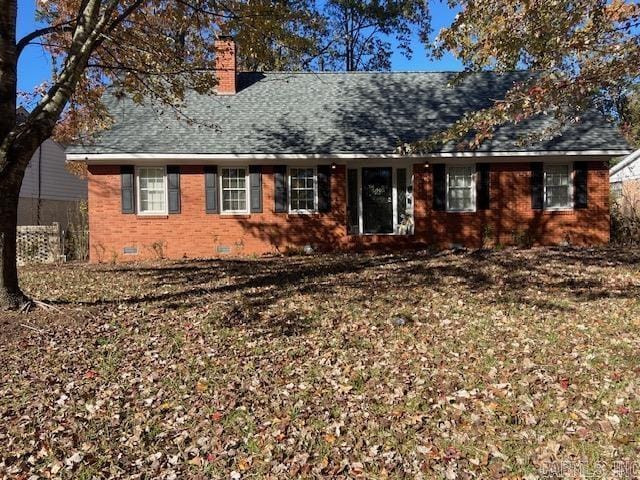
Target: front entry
377 200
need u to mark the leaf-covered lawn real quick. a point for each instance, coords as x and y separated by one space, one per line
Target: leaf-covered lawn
508 362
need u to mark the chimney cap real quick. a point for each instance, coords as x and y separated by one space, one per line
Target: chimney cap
225 37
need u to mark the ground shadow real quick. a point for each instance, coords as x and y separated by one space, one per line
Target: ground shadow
253 286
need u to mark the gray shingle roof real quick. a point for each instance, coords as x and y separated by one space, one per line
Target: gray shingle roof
330 113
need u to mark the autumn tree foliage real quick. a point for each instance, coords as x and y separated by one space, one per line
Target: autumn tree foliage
275 36
341 35
576 50
622 105
630 118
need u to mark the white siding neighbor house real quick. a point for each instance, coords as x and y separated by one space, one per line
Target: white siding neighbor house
625 180
50 193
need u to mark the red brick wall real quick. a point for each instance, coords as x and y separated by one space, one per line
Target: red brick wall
194 233
510 216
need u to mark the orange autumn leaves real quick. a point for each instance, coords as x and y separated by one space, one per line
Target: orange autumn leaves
576 50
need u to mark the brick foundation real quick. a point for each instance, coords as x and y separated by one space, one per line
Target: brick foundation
194 234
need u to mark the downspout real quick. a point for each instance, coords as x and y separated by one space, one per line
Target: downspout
39 202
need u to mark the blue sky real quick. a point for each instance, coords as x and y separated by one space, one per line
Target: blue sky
35 64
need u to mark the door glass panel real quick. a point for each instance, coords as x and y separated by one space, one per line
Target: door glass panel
377 202
401 189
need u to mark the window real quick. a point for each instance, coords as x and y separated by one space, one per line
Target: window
557 187
460 188
234 190
616 190
302 188
152 191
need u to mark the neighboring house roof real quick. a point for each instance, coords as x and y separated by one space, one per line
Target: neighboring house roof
332 113
21 114
626 169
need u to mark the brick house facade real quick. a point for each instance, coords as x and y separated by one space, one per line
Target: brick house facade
193 232
304 160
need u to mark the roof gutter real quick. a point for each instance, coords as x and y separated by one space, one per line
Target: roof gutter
193 157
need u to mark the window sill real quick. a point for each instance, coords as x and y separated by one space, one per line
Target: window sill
558 210
392 234
151 216
461 211
231 216
303 214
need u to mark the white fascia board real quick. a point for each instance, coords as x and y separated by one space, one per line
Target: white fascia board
625 162
187 158
630 172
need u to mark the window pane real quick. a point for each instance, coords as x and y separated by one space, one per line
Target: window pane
234 193
309 197
302 189
152 193
557 197
460 187
144 201
557 179
616 190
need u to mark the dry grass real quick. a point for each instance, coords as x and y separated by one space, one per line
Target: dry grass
285 367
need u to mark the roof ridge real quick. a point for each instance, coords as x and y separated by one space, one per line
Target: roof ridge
344 72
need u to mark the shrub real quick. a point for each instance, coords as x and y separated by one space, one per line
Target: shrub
523 238
77 234
625 222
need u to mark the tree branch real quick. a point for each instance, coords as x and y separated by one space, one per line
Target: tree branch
24 41
120 18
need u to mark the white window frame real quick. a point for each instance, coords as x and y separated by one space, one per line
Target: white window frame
247 190
570 187
473 187
166 190
315 190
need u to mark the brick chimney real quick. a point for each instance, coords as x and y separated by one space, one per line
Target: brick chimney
226 65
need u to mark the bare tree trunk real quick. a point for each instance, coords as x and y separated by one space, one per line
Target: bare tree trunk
10 294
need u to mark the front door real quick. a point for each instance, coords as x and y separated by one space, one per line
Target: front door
377 203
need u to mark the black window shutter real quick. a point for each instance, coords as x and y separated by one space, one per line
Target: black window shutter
483 186
173 184
127 189
580 189
280 188
324 188
255 185
537 185
211 188
439 186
